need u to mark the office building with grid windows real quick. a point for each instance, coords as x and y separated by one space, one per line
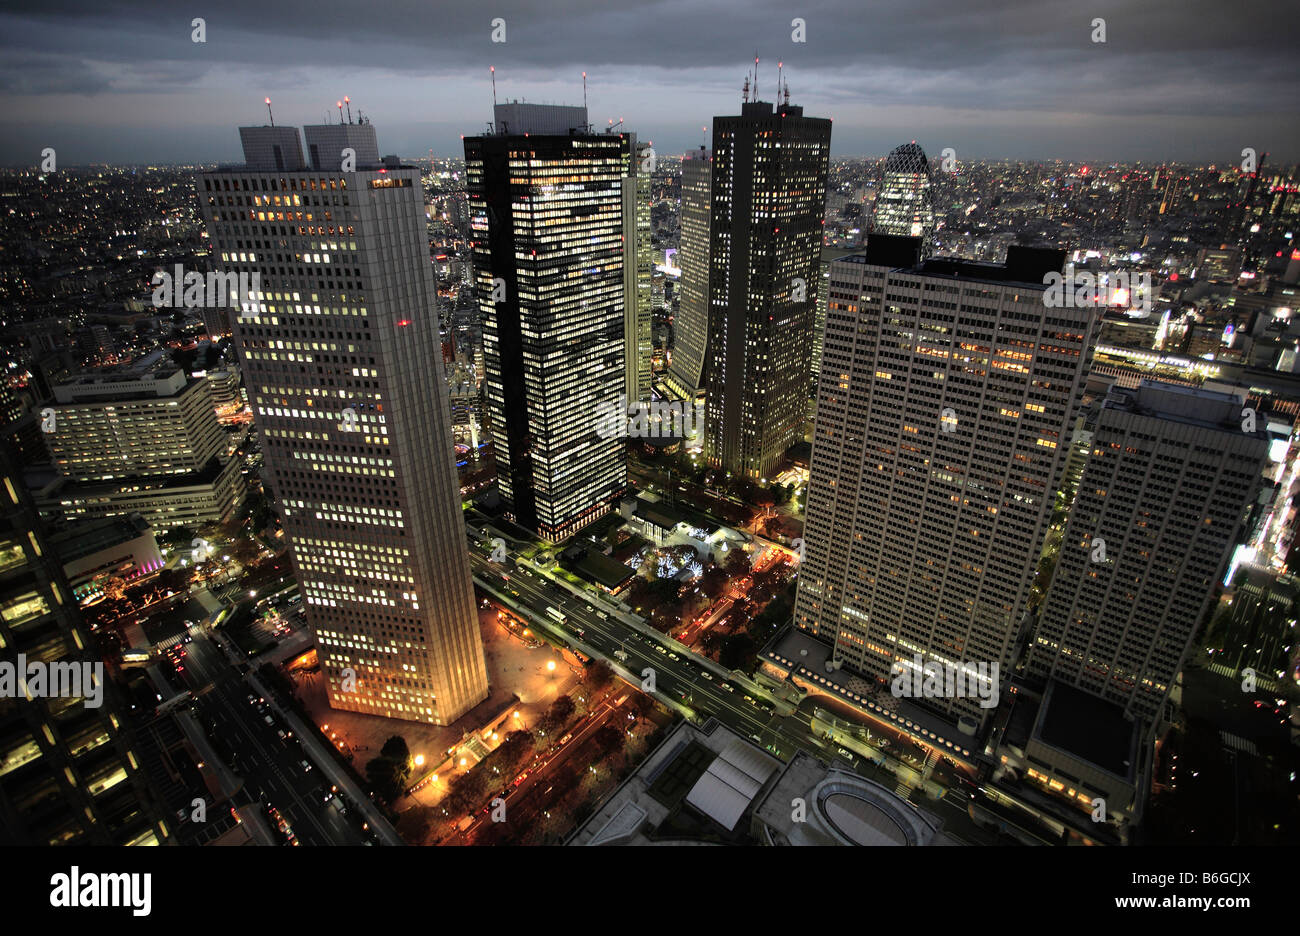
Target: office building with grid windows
768 196
946 397
547 214
338 351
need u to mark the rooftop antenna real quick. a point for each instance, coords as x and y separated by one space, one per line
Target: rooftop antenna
745 89
584 90
340 105
779 66
494 90
268 112
704 137
755 75
348 101
787 92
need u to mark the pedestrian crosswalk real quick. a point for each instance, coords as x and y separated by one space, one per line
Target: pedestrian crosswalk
1263 682
903 791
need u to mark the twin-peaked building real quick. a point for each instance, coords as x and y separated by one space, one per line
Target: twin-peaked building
338 350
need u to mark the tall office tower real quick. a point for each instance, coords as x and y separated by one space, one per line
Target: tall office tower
947 395
339 351
905 205
819 320
638 268
547 216
1171 477
691 326
69 774
769 195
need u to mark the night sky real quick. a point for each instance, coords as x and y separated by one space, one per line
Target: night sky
1176 79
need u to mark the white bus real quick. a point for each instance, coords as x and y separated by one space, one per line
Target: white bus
556 613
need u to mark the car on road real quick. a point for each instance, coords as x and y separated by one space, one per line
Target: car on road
306 765
729 687
707 675
269 720
659 649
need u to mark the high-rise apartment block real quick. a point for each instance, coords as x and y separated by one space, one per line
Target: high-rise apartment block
1172 474
767 202
547 216
339 351
947 395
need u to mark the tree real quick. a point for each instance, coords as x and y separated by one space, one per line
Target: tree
737 563
561 710
396 749
387 776
713 582
599 675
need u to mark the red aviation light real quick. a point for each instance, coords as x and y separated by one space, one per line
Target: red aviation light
402 323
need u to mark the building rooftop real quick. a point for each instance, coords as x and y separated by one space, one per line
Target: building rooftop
1024 266
1088 727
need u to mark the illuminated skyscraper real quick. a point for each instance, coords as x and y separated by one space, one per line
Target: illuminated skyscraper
947 394
638 268
546 197
1170 479
768 200
340 356
905 205
691 325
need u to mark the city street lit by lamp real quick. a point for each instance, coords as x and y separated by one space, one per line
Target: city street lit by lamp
550 665
419 760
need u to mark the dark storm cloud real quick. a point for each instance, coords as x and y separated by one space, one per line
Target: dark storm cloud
1175 78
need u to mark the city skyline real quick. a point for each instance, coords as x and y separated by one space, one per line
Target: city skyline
397 458
1172 81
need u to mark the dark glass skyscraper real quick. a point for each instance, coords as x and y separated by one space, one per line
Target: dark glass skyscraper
768 199
545 197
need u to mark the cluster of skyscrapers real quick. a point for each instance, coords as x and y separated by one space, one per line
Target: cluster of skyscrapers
947 399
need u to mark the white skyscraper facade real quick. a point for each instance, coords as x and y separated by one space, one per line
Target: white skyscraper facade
338 352
946 395
1159 509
